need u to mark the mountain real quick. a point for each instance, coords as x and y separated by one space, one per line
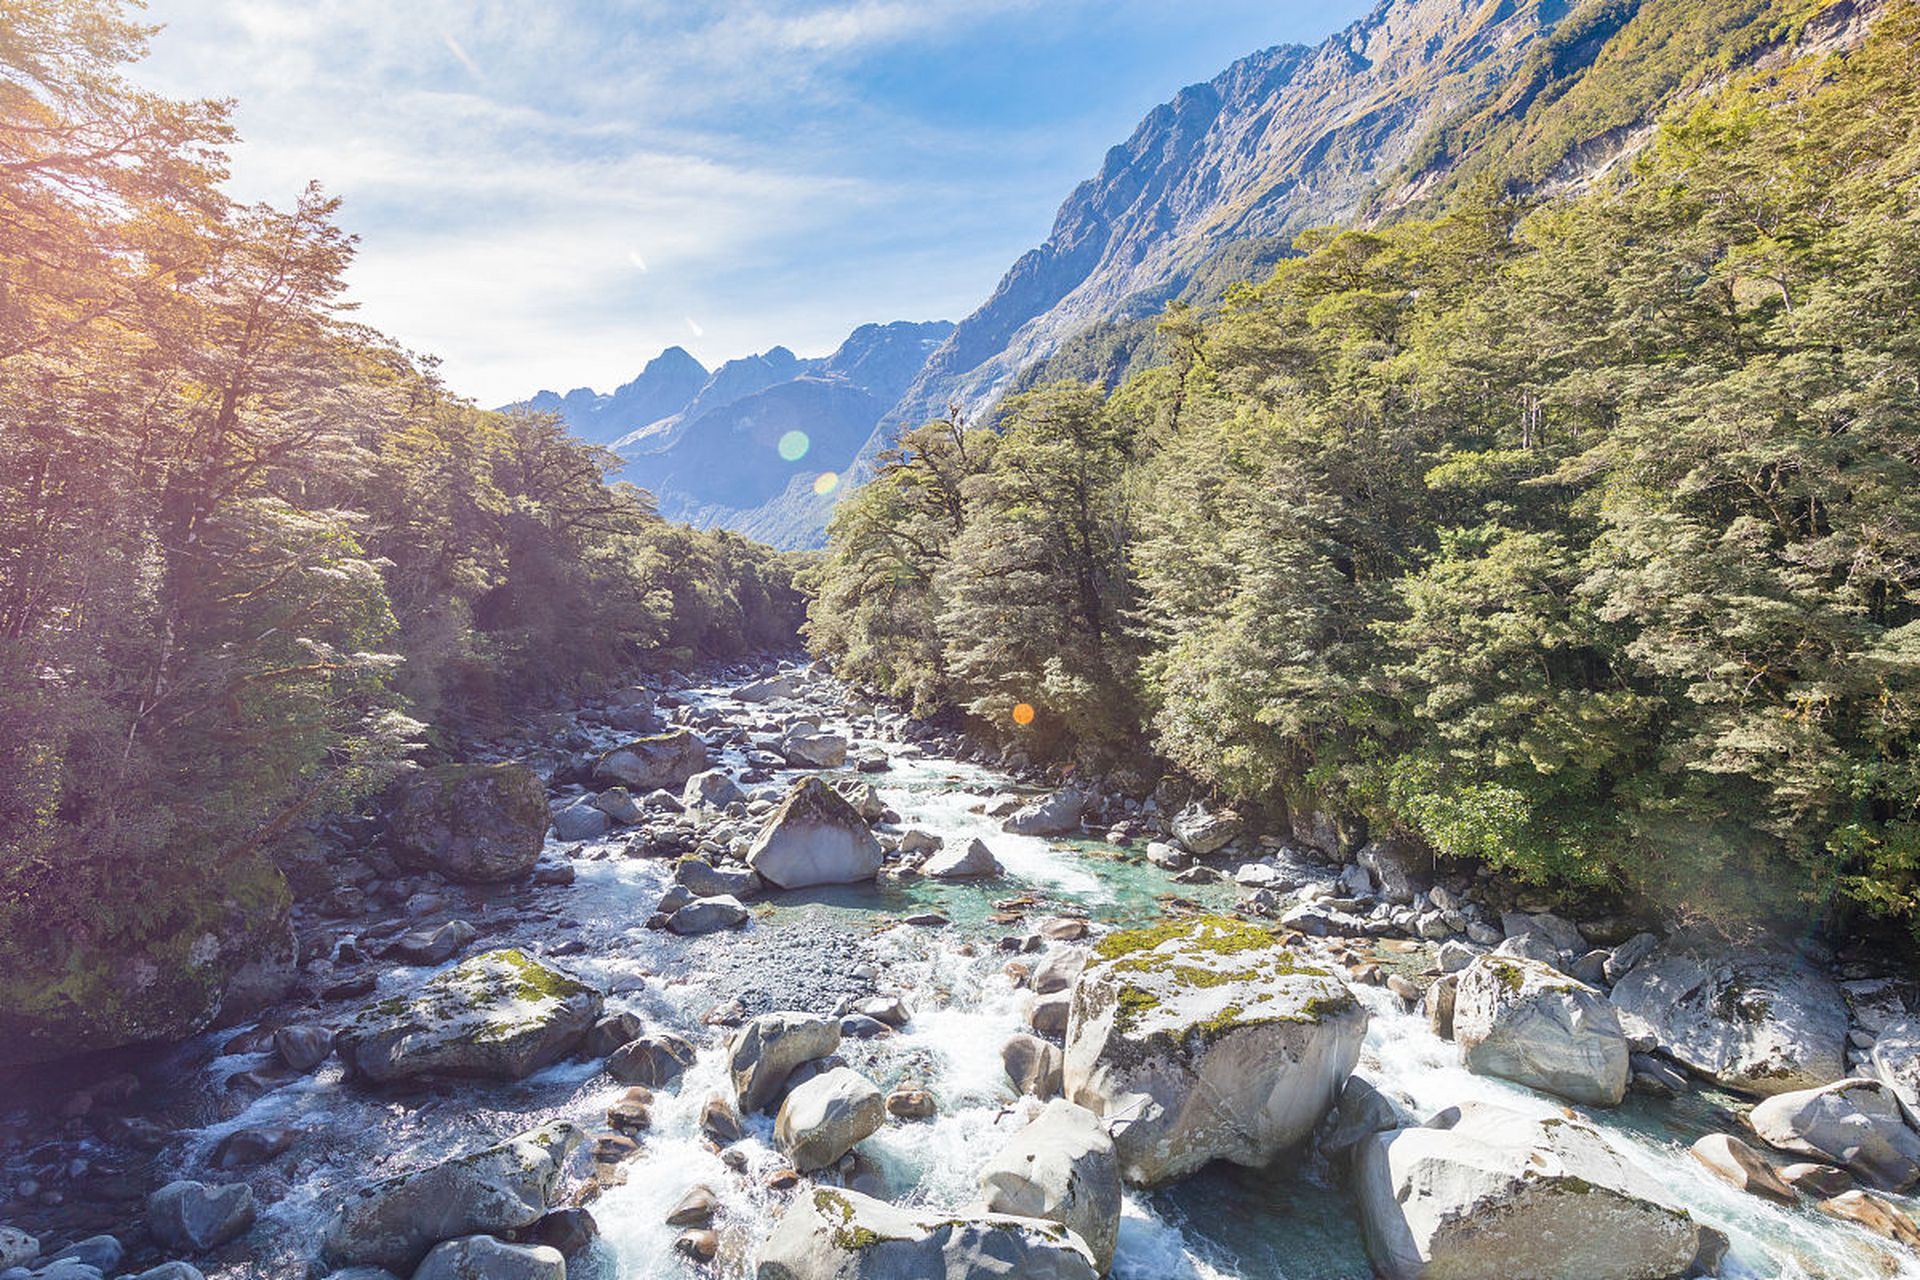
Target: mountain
665 387
1382 120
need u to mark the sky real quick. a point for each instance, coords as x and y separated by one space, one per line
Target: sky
549 192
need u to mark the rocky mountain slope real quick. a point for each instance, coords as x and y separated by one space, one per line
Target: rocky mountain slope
1382 120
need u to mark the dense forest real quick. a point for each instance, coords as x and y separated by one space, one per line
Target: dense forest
252 553
1577 537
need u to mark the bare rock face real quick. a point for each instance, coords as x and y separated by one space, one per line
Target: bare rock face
1484 1191
1529 1023
1206 1039
828 1234
478 823
502 1015
661 762
1756 1020
814 837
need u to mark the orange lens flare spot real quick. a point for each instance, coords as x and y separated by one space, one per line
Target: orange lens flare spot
1022 713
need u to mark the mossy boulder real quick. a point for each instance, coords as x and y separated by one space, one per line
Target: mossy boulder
475 823
1527 1022
658 762
828 1234
502 1016
814 837
394 1222
1206 1039
1483 1191
208 953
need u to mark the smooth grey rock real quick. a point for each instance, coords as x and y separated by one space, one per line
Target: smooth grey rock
823 1119
1759 1021
1034 1066
1623 958
619 805
581 820
829 1234
814 837
1854 1123
1895 1061
1400 869
655 1061
974 862
1496 1193
470 822
714 788
1201 830
704 880
814 750
393 1222
709 915
1054 815
658 762
764 1052
195 1216
17 1248
432 946
1739 1165
482 1257
303 1047
1523 1021
1061 1168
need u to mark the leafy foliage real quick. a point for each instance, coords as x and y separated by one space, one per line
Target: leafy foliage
1580 537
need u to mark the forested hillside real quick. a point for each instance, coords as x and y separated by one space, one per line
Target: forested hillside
1579 537
252 553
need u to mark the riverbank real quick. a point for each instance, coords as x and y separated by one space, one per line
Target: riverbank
927 1007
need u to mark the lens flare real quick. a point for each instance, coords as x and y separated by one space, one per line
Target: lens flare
826 482
1022 713
794 445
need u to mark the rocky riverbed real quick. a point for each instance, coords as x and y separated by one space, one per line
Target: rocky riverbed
752 977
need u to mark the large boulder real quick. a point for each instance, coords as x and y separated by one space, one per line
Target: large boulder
1205 1039
823 1119
975 862
1399 868
1054 815
764 1052
784 685
660 762
828 1234
1856 1123
501 1015
219 955
812 749
476 823
1529 1023
194 1217
1484 1191
1895 1061
1202 830
714 788
393 1222
709 915
1062 1168
485 1258
814 837
1757 1020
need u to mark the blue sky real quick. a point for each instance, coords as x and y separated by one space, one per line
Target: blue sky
548 192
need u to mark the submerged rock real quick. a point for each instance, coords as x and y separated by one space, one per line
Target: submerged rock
1484 1191
1206 1039
814 837
660 762
828 1234
478 823
501 1015
1062 1168
393 1223
1756 1020
1527 1022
